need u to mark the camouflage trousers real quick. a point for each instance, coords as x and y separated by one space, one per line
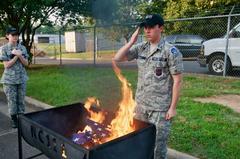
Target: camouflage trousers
162 129
15 94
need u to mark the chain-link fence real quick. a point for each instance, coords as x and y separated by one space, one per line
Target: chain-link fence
203 41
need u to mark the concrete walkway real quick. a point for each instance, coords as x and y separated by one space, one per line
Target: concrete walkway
9 137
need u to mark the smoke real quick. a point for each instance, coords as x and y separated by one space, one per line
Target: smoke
104 11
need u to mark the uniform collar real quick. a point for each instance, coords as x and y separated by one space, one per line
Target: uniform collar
161 43
159 47
11 45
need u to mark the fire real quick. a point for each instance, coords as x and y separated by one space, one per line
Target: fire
121 125
64 156
95 116
87 128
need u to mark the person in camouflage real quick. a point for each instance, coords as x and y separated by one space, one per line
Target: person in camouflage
15 58
160 70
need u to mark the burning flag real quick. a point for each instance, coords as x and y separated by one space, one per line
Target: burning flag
95 131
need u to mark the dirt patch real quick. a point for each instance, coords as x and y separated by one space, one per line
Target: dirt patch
231 101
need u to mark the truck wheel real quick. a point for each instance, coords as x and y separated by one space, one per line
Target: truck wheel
216 65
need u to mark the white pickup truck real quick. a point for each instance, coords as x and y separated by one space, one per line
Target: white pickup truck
213 52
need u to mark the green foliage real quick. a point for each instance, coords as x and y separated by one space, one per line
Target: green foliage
150 7
185 8
115 11
177 9
125 13
48 29
116 32
27 15
174 9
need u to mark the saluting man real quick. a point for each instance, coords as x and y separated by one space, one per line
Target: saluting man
15 58
160 70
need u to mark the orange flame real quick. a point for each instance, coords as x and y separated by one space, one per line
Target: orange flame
95 116
122 124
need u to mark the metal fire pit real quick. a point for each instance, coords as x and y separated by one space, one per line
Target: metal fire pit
50 131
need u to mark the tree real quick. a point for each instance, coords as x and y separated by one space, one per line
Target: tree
198 8
27 15
48 29
177 9
151 6
117 20
185 8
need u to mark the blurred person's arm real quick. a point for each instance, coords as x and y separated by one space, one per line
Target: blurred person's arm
6 59
8 64
23 60
20 55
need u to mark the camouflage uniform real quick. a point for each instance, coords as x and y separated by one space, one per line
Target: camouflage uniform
14 79
154 88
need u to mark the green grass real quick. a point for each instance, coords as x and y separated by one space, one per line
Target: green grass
61 86
203 86
206 130
51 49
101 55
203 130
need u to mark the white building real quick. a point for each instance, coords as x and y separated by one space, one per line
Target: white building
48 38
75 42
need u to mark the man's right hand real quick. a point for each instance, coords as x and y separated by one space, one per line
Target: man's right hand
121 54
134 36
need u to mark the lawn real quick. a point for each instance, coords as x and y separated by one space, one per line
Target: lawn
52 49
203 130
100 55
60 86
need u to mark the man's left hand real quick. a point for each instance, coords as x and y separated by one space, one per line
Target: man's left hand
170 114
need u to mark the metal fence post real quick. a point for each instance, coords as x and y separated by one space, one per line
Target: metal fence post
94 45
227 43
55 50
34 53
60 47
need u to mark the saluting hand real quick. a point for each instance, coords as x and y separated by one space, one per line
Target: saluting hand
134 36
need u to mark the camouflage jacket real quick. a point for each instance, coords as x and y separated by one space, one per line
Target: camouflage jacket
16 74
154 88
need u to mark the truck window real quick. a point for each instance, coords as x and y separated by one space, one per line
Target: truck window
182 39
235 33
170 39
196 40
